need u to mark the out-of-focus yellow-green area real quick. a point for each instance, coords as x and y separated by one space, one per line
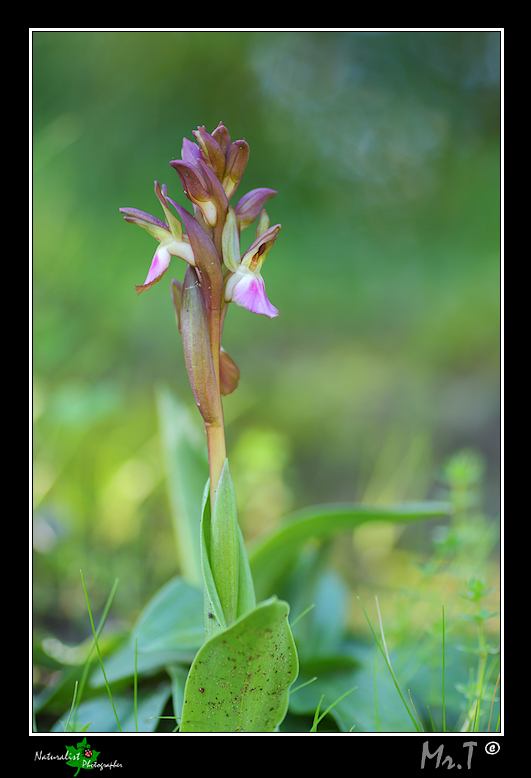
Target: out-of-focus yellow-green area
384 148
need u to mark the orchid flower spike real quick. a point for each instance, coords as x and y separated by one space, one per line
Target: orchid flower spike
210 171
169 233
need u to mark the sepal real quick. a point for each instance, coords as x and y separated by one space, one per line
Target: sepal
250 205
230 242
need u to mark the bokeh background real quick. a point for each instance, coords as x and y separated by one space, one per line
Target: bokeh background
385 151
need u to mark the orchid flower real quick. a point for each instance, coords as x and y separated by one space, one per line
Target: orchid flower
168 233
245 285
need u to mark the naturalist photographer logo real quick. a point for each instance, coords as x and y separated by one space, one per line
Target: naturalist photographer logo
81 757
84 757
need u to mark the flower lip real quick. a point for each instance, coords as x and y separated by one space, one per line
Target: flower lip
159 265
247 289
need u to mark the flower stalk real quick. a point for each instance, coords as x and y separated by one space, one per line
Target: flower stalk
218 273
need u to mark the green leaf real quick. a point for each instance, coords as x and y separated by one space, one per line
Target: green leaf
171 620
96 715
240 678
169 631
213 611
224 545
186 462
367 709
228 584
271 556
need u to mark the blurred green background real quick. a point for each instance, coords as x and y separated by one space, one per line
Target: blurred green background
385 151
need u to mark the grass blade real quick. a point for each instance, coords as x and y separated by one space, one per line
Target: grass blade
493 699
98 650
135 685
443 672
318 718
72 707
387 660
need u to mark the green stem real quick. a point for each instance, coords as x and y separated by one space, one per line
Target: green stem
217 453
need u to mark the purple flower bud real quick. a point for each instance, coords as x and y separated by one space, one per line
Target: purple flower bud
195 190
221 134
211 152
237 158
190 152
250 205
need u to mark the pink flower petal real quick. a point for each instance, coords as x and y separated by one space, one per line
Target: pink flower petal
249 292
159 265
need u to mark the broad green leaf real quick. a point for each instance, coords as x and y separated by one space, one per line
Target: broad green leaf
223 551
321 631
228 585
97 715
186 463
121 664
171 620
169 630
271 556
178 675
213 611
239 681
366 709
